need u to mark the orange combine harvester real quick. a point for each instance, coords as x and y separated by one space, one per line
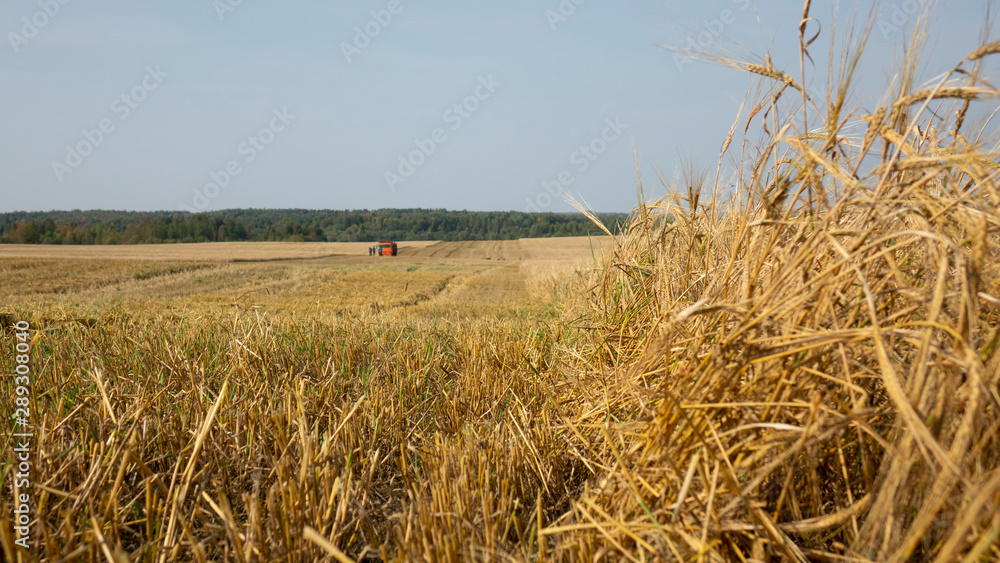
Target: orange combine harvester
386 249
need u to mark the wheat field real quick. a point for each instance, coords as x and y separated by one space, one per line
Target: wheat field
803 369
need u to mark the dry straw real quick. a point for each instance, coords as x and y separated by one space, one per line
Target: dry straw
810 371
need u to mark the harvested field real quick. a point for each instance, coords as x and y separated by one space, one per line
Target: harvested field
197 252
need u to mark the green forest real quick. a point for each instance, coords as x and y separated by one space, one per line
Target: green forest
292 225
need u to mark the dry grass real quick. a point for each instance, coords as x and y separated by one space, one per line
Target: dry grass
807 371
218 411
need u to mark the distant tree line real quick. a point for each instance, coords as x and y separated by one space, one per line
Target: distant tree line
129 227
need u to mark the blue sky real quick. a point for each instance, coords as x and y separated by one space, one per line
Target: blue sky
479 106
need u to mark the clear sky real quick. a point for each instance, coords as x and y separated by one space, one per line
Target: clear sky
219 104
